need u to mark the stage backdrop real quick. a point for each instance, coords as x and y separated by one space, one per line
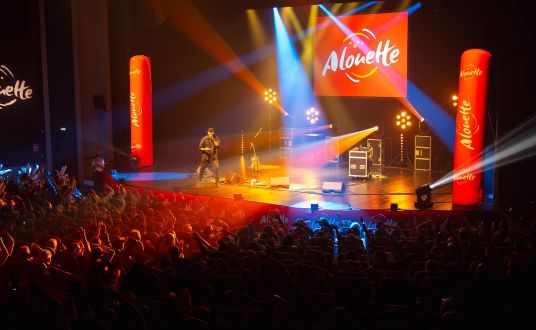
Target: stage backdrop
361 55
466 189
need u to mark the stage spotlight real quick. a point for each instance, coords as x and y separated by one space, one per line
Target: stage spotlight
270 96
403 120
424 197
312 115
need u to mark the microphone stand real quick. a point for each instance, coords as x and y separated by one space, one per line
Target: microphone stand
256 167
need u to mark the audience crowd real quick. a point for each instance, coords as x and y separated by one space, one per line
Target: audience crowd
124 259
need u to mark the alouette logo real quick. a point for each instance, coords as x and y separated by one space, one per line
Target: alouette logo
357 54
463 177
468 126
12 89
469 72
135 110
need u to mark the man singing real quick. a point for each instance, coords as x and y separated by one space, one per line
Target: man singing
209 154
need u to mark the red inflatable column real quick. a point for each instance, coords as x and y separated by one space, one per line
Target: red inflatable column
466 189
141 110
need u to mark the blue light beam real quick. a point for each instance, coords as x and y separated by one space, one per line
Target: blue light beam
295 90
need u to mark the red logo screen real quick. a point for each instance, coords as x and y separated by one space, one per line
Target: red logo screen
365 56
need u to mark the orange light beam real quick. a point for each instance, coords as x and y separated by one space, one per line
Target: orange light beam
317 150
187 19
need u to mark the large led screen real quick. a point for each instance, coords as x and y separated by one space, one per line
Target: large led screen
361 55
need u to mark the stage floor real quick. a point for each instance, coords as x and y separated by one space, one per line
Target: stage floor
387 185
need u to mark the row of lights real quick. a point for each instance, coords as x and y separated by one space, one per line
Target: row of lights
403 119
242 142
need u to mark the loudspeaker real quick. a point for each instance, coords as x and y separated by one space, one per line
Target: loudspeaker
234 178
423 152
332 187
394 207
237 197
280 182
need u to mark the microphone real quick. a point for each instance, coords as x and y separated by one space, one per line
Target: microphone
260 129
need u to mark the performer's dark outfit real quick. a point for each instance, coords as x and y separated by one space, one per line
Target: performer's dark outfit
209 156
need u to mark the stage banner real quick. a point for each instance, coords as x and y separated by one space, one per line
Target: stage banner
466 189
141 110
361 55
22 115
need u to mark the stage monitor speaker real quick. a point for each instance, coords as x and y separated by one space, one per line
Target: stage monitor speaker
336 187
423 152
280 182
234 178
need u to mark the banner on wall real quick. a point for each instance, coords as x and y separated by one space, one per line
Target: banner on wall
472 90
361 55
12 89
141 110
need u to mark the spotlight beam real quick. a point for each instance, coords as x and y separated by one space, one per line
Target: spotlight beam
416 101
185 17
183 89
515 146
392 75
294 86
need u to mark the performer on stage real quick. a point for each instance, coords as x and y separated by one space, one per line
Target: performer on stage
209 145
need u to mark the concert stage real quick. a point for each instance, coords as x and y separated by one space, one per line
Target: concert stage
386 185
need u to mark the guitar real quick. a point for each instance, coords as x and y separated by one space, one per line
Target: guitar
255 162
210 146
